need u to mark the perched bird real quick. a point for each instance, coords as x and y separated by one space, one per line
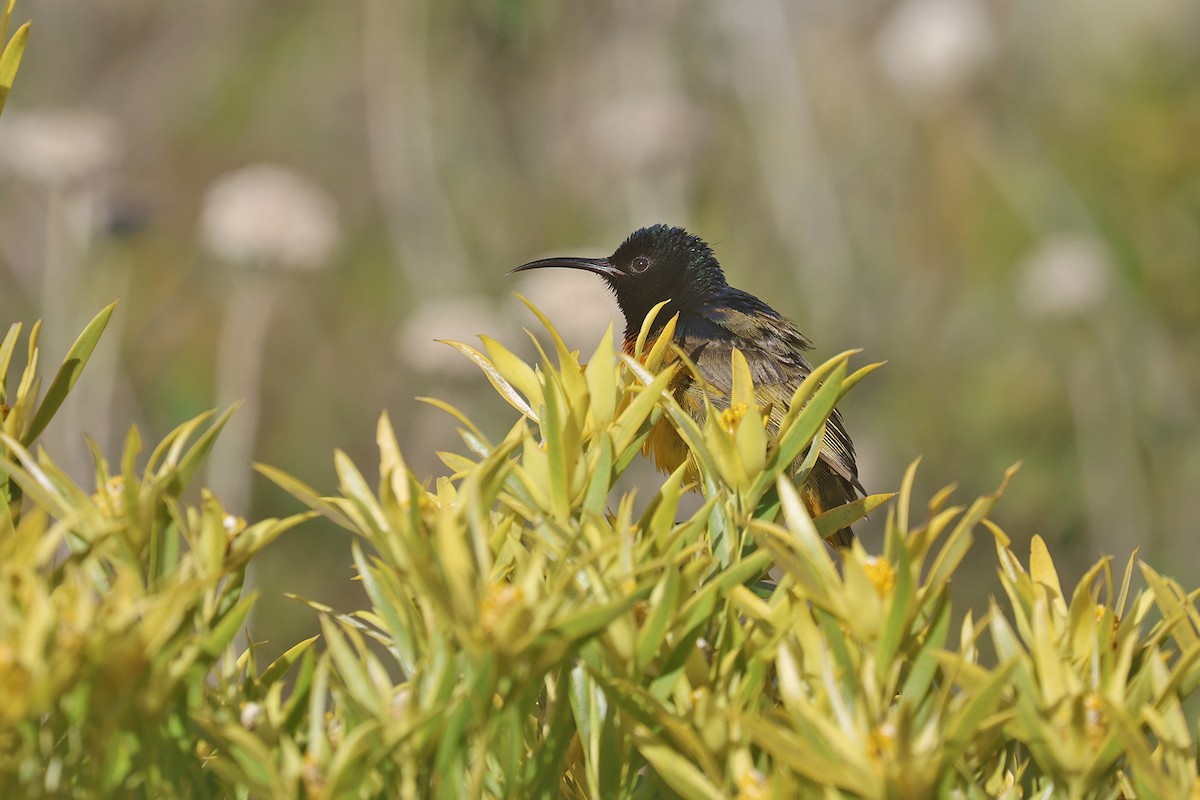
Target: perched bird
665 263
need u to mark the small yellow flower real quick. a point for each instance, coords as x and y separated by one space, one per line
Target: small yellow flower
731 416
882 741
881 574
313 776
498 605
1100 609
753 785
110 498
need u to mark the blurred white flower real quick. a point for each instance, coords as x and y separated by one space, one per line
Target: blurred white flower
268 215
251 713
576 302
1069 274
459 319
58 146
932 49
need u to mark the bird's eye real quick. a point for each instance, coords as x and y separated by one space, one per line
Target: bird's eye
639 264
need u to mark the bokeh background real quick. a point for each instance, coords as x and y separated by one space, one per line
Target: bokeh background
293 199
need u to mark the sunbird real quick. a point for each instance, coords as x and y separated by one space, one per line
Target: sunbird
664 263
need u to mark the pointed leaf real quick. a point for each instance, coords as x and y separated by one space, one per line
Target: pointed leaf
601 380
71 368
223 632
1041 570
506 389
7 348
678 772
281 665
845 515
513 369
644 332
199 451
10 60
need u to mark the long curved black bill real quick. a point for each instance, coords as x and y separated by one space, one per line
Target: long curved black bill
600 266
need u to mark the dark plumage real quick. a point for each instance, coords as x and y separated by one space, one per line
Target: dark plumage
665 263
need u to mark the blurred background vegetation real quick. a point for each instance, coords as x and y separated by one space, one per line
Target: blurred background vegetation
292 200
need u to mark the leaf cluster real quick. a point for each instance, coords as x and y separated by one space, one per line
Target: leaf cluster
534 630
542 638
118 606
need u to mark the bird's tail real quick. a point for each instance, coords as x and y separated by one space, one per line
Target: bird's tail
825 490
842 539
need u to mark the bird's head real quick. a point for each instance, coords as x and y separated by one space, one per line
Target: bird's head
654 264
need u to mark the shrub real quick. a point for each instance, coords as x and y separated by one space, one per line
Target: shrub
117 607
535 632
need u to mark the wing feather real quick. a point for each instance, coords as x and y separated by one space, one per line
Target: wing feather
773 348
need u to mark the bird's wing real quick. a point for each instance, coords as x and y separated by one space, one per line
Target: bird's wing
773 348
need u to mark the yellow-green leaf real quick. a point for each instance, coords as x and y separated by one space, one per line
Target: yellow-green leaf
678 772
842 516
514 370
501 384
601 380
72 365
10 61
